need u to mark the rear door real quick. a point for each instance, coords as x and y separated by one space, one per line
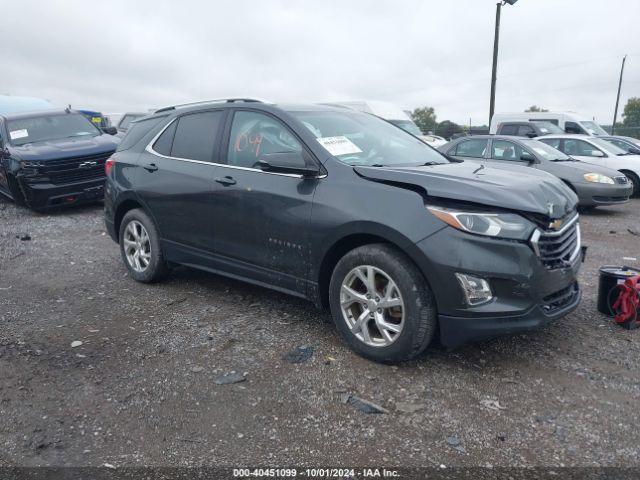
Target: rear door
175 181
470 149
262 218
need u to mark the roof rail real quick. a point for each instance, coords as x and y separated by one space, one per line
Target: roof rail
206 102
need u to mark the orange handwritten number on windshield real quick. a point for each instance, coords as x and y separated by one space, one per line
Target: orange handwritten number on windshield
252 141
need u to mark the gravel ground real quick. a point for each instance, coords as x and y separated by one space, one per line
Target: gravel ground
140 388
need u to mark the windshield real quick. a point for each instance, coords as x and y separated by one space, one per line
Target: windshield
50 127
593 128
545 151
362 139
608 146
407 126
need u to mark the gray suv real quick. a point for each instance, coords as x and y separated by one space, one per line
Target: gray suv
350 212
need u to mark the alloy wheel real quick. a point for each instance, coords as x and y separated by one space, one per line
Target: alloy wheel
372 306
137 246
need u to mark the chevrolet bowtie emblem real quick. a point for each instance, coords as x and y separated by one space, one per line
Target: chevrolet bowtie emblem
556 224
88 164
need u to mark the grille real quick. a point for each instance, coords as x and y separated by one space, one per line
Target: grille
557 249
560 299
69 170
621 180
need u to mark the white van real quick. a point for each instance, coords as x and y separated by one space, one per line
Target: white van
570 122
392 114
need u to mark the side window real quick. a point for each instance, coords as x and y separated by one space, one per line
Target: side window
165 141
579 147
509 130
254 134
554 142
573 127
137 131
617 143
472 148
196 135
525 131
503 150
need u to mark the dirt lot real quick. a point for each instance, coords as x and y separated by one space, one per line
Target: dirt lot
140 389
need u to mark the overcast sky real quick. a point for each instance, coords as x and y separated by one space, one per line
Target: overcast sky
129 55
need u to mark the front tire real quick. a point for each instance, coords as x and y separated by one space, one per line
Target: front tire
16 192
381 304
635 181
141 248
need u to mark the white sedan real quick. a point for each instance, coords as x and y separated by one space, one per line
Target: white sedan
599 152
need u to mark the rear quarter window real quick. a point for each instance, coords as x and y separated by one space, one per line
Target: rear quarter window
138 131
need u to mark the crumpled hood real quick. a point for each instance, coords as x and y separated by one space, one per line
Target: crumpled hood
65 148
535 192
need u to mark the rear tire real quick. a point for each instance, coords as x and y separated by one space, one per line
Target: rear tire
141 248
413 312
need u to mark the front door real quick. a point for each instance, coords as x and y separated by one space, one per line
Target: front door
175 181
261 218
504 152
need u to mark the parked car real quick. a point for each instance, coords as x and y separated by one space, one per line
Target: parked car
569 122
392 114
528 129
125 121
594 185
599 152
13 104
628 144
99 120
350 212
52 158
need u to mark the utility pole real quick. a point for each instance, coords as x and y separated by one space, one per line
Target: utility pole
615 113
496 41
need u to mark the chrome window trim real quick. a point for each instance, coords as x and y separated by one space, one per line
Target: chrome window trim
149 149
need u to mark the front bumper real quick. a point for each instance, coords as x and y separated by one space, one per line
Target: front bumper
593 194
526 294
44 195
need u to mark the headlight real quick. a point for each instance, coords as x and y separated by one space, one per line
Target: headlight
598 178
502 225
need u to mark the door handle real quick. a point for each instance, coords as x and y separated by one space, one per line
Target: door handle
226 180
150 167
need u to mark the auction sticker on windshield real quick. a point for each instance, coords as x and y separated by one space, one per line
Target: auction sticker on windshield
339 145
16 134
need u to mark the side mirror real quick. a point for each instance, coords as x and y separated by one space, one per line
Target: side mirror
597 153
109 130
532 134
527 157
288 162
634 150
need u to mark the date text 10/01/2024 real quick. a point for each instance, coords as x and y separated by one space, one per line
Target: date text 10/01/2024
314 472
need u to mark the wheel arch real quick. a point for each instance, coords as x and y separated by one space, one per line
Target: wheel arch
354 238
123 207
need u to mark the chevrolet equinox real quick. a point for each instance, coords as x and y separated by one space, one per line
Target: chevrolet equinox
344 209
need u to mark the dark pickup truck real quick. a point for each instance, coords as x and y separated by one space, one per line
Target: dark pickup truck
52 158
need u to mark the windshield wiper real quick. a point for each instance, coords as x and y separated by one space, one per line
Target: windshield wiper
430 164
